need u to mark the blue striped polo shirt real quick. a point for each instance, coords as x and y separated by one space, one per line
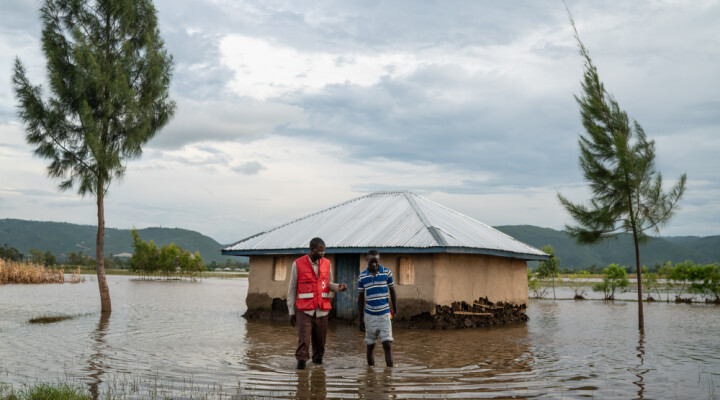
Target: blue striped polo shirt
376 289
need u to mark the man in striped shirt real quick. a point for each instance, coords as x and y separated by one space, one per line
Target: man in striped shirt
376 289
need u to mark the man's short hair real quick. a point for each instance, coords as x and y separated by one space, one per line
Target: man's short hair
373 252
316 242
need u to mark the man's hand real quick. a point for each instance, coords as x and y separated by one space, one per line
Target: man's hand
342 287
361 325
293 320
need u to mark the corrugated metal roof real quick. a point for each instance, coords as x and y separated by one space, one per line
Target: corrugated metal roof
399 221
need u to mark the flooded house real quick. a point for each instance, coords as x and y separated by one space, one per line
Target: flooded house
450 270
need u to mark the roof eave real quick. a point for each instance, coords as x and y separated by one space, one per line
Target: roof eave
398 250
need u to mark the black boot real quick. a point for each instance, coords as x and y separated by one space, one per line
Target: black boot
301 364
317 360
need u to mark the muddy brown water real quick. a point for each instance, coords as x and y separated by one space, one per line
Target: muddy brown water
184 339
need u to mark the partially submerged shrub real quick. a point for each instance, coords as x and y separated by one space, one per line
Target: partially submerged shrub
614 277
19 272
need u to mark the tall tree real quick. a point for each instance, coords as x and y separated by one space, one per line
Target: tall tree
618 161
109 76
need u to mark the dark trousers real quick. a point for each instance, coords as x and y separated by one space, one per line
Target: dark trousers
310 329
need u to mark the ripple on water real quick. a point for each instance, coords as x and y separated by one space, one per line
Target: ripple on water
174 338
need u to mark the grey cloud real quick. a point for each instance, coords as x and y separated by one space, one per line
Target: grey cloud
347 26
484 130
198 73
399 24
37 192
240 121
19 16
212 151
554 51
249 168
207 161
7 114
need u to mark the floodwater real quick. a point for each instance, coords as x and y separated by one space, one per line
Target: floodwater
185 339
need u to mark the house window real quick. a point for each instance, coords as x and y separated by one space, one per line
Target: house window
406 275
279 269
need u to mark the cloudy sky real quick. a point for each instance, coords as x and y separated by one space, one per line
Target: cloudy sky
288 107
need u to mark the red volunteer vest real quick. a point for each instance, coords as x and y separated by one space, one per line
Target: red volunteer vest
313 291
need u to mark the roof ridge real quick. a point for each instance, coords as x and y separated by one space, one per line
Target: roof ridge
434 232
473 219
319 212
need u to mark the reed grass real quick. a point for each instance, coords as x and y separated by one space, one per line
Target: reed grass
44 391
29 273
123 389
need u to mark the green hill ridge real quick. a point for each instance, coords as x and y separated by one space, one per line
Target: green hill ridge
62 238
658 250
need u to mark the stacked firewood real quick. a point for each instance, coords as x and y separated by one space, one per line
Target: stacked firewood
481 312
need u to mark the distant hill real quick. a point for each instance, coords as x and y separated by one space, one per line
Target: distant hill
709 245
62 238
621 251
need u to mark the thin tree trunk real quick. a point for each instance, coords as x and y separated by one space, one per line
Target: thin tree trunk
99 252
641 318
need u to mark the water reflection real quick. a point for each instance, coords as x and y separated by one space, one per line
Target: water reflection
96 362
375 383
494 362
311 384
641 370
166 337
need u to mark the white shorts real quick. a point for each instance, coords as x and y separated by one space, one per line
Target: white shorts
377 327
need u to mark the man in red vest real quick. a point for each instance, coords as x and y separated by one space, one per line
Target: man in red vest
309 294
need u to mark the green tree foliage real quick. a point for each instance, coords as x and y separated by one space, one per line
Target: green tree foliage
688 277
109 76
549 269
145 258
168 261
37 256
191 264
46 258
10 253
678 276
706 280
618 161
614 277
50 259
80 259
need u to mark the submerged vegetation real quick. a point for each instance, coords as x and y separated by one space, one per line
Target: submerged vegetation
48 319
168 261
614 277
684 282
549 269
19 272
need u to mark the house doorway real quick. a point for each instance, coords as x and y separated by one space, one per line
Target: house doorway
348 270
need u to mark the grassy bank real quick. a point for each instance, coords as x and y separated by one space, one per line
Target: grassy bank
44 391
121 389
28 273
